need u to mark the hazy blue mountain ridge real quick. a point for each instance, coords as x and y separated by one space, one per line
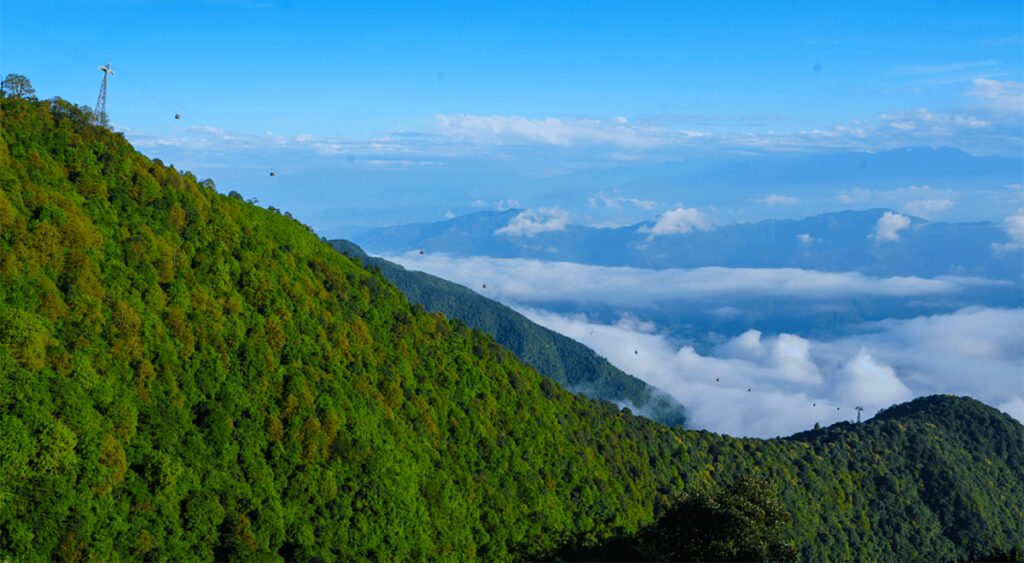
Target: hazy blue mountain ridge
841 241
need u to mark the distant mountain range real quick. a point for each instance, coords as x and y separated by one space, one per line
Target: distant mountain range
840 241
976 186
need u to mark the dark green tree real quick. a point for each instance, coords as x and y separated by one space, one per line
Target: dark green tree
747 522
18 86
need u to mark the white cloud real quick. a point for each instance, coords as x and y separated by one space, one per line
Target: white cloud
977 132
746 346
993 127
534 281
933 122
757 385
778 199
714 389
867 383
680 221
946 68
562 132
629 321
889 226
398 162
1000 95
726 312
922 201
927 208
787 355
1014 227
902 124
617 201
1015 39
1014 407
500 205
975 351
533 221
856 195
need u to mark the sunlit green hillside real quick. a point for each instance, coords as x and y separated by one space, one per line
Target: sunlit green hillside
185 376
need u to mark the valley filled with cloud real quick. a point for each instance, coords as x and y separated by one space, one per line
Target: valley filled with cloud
748 381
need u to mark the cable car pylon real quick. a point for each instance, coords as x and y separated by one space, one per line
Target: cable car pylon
101 100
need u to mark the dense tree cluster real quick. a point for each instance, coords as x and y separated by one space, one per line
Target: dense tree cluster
571 364
187 376
746 522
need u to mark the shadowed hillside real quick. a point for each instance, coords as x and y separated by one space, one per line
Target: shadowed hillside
571 364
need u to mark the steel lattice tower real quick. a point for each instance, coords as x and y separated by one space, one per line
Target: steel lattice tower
101 101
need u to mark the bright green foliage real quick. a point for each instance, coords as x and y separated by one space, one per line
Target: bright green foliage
184 376
571 364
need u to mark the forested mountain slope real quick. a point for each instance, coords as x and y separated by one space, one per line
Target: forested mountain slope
184 376
571 364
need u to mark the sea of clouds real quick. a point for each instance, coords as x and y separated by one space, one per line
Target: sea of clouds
757 384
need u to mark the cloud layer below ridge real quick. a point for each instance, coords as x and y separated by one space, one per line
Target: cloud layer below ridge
774 385
756 383
534 281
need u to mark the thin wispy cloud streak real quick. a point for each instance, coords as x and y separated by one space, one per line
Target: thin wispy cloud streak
946 68
1002 95
535 281
991 126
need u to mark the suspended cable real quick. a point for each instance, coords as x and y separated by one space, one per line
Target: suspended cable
180 111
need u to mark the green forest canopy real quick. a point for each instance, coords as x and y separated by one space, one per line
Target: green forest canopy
187 376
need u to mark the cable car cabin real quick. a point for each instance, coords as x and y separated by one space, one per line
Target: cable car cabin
272 174
177 116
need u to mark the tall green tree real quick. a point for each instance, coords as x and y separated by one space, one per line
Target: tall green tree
18 86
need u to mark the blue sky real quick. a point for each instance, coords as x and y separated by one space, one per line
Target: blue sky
345 93
688 114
